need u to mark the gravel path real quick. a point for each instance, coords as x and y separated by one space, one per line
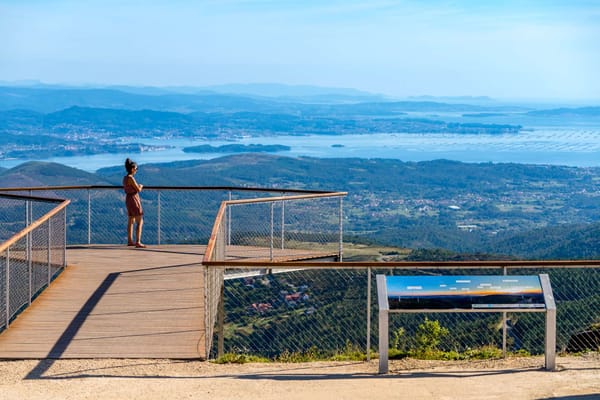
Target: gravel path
514 378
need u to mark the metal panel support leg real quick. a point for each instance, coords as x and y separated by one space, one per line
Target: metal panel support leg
550 349
383 341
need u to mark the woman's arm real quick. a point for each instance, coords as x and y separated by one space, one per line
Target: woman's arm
134 184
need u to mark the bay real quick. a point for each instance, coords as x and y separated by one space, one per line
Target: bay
569 146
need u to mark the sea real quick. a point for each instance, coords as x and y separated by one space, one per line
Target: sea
569 145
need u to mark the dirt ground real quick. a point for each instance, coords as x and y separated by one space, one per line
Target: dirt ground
514 378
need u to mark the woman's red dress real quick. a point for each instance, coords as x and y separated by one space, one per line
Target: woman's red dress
132 198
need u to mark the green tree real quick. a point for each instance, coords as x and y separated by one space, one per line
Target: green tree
429 335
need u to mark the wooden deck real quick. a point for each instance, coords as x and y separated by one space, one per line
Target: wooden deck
116 302
122 302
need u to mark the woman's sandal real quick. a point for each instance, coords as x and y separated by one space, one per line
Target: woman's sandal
140 246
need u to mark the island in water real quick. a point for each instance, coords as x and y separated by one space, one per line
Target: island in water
237 148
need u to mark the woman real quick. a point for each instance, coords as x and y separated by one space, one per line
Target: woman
134 205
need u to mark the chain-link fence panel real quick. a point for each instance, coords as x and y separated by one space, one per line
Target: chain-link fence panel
182 216
76 214
577 295
171 216
108 219
4 313
40 251
310 224
18 277
13 217
58 244
16 214
325 312
33 257
295 312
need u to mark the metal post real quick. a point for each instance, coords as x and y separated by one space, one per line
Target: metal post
282 224
550 357
7 287
341 218
550 339
28 245
382 301
158 223
28 211
29 263
229 222
504 319
208 326
368 313
271 246
221 323
89 216
221 244
49 250
65 238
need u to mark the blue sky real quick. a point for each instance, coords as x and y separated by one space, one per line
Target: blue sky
504 49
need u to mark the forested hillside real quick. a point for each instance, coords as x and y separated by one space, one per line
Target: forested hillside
509 210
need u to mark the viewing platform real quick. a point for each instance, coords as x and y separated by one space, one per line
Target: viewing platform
114 301
66 292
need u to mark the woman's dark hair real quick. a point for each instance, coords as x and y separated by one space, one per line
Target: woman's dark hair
130 165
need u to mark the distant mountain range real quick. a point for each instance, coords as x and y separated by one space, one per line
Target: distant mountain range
231 98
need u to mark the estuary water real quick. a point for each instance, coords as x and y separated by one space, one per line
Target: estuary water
577 146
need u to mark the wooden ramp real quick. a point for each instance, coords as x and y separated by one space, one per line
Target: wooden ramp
121 302
116 302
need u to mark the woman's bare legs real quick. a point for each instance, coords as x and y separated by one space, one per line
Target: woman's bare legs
139 220
130 221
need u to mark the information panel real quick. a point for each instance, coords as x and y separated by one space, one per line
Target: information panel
464 292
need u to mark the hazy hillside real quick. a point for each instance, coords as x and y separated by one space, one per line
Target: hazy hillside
227 98
55 99
568 112
47 174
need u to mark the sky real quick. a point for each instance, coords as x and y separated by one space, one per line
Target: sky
511 49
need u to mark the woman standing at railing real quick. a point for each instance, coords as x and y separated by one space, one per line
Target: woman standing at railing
135 214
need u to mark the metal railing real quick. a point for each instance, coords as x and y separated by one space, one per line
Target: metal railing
326 308
306 222
272 307
172 215
269 229
34 254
